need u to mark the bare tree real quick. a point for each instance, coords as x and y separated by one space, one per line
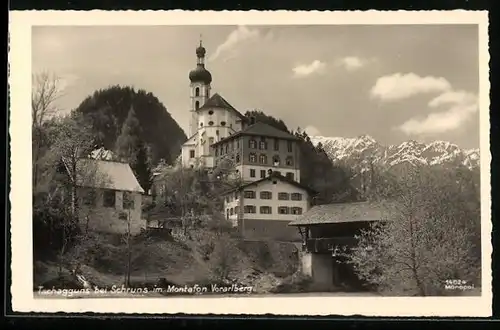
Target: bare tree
45 92
70 150
426 239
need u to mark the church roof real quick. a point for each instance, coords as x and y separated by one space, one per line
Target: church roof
261 129
217 101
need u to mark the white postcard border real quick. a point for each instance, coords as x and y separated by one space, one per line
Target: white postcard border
20 196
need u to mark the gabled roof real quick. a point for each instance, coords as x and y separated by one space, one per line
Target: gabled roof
105 174
217 101
261 129
345 212
191 139
273 175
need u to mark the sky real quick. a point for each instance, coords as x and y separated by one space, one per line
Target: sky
392 82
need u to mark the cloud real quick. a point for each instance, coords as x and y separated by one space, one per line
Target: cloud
453 97
352 63
304 70
400 86
312 131
66 81
462 105
239 35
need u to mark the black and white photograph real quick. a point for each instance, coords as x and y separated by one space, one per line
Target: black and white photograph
197 162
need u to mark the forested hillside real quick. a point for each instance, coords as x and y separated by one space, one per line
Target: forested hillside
107 109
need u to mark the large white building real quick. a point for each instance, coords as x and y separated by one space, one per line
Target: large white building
212 118
265 158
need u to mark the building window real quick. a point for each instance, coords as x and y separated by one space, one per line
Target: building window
276 144
252 144
227 147
122 216
276 160
289 175
231 211
223 123
249 194
252 158
252 173
296 210
289 161
282 209
197 105
217 132
238 143
210 140
210 112
216 151
128 200
283 196
210 123
236 210
227 214
263 159
296 196
249 209
201 124
262 145
262 174
265 210
90 197
191 153
108 198
290 146
197 91
266 195
237 158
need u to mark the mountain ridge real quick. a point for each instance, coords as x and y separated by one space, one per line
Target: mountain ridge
362 150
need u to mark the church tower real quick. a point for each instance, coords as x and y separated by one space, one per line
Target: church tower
200 87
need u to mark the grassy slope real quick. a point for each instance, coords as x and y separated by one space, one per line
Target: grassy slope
262 264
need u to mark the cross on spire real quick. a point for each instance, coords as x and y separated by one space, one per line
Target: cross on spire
201 43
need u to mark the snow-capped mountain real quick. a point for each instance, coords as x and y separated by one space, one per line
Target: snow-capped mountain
363 150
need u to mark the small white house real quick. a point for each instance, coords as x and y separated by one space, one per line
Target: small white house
109 196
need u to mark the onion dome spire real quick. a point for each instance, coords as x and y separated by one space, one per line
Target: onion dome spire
200 74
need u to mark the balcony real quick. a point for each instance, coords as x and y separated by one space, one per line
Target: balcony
333 245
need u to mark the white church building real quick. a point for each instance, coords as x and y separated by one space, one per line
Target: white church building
266 159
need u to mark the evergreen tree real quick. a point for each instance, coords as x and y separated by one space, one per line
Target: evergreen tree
128 141
132 149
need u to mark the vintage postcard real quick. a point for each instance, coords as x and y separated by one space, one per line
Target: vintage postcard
286 163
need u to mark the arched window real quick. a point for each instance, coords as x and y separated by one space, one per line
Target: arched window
252 144
211 112
252 158
197 105
223 123
263 159
210 123
197 91
289 161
